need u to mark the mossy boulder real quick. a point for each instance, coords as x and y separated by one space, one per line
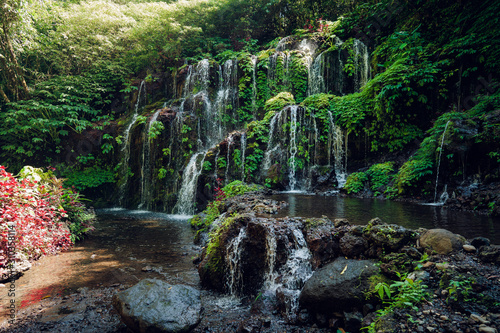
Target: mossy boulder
389 237
441 241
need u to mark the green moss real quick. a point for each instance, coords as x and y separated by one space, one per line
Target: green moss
238 187
316 222
279 101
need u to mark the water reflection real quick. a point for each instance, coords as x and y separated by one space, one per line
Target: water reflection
360 211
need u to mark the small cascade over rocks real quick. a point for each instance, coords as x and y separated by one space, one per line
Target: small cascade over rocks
303 267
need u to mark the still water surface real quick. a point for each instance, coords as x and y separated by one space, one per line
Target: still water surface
413 216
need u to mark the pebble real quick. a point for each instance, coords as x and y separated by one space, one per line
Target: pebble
487 329
478 318
442 266
430 329
443 318
469 248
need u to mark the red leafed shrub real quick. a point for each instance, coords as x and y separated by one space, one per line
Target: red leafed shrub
32 220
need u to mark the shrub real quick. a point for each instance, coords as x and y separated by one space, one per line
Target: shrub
355 182
35 209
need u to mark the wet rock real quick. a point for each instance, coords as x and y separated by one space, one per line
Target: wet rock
353 246
490 254
340 223
353 321
156 306
251 325
338 286
387 236
480 241
442 241
322 244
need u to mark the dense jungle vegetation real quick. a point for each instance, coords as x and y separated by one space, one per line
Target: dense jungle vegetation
68 66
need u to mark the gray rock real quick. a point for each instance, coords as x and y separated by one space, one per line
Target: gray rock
490 254
338 286
469 248
442 241
156 306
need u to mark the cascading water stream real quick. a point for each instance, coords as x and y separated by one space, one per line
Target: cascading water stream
361 64
187 193
254 86
293 147
439 160
146 176
316 79
243 144
124 172
233 260
210 129
228 158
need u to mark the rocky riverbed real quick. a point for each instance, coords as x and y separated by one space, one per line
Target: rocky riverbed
462 278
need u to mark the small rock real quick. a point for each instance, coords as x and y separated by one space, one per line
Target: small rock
428 264
443 317
430 329
442 266
147 269
469 248
487 329
478 318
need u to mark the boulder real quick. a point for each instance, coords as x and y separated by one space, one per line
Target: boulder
155 306
442 241
322 243
390 237
490 254
338 286
353 246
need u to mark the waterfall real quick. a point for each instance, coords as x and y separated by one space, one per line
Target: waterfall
336 148
146 176
293 275
254 86
124 172
227 95
233 260
439 160
268 154
228 158
271 249
243 144
210 128
316 80
361 64
293 147
288 129
187 193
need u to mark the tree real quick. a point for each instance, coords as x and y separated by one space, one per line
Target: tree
12 77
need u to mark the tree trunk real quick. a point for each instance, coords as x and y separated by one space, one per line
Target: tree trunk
2 93
16 72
